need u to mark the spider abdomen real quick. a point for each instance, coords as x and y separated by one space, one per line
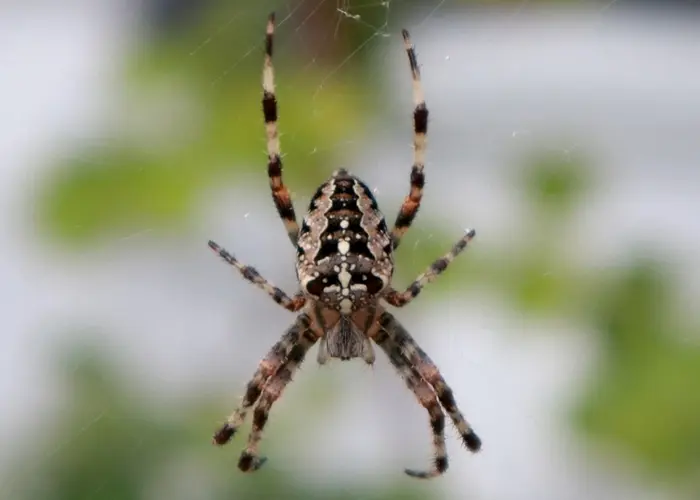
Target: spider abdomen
344 248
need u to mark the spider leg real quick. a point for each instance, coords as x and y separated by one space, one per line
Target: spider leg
293 304
427 399
267 368
250 460
411 203
430 373
280 193
400 299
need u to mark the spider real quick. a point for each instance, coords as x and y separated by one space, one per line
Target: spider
344 266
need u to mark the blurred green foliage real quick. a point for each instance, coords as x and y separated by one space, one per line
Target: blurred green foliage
644 394
191 116
121 443
642 397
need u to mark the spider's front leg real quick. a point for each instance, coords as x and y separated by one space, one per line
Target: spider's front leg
250 460
400 299
427 399
280 193
430 373
292 304
411 203
267 368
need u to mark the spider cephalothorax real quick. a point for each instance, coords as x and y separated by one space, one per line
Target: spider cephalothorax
345 267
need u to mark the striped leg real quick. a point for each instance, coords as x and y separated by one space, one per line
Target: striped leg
280 193
267 369
411 203
430 373
250 460
251 274
427 399
400 299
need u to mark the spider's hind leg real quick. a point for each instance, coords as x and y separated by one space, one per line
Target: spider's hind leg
430 373
427 399
411 203
250 460
267 368
280 192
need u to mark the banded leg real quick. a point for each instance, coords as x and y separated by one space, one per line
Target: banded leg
430 373
267 368
293 304
427 399
411 203
250 460
280 193
400 299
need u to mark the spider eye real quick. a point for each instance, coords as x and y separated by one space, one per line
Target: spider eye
315 287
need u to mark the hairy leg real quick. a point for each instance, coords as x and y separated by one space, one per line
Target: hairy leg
280 193
400 299
250 460
267 368
293 304
430 373
426 397
411 203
